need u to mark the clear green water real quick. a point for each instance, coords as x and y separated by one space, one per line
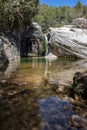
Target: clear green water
35 70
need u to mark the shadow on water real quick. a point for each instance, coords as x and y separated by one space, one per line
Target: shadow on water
19 112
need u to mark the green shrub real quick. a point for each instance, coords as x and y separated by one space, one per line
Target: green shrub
43 47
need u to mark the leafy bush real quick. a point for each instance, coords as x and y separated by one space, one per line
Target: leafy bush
17 13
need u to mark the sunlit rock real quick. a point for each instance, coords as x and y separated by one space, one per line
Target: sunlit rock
51 56
68 41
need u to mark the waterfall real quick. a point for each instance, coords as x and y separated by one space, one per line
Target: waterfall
46 44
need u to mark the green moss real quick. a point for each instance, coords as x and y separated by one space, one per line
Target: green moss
72 86
43 47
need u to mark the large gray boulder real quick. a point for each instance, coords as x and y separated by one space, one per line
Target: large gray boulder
68 41
9 50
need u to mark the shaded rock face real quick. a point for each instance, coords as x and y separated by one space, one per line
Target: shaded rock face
9 50
80 83
68 41
31 41
3 58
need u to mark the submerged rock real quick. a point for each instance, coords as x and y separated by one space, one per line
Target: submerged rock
68 41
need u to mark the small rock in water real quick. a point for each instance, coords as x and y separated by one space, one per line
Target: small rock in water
24 83
61 88
3 81
51 56
12 93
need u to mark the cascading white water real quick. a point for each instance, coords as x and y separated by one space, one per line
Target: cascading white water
46 44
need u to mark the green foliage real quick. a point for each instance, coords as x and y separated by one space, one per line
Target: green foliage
43 47
58 16
79 6
72 86
17 13
52 16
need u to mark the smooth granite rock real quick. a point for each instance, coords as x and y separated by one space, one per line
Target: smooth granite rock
68 41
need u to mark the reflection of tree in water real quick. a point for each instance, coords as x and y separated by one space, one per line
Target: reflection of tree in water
19 112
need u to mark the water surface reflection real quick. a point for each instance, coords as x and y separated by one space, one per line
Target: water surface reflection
55 114
35 69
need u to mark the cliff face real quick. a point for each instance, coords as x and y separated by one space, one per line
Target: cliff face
31 40
68 41
27 43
